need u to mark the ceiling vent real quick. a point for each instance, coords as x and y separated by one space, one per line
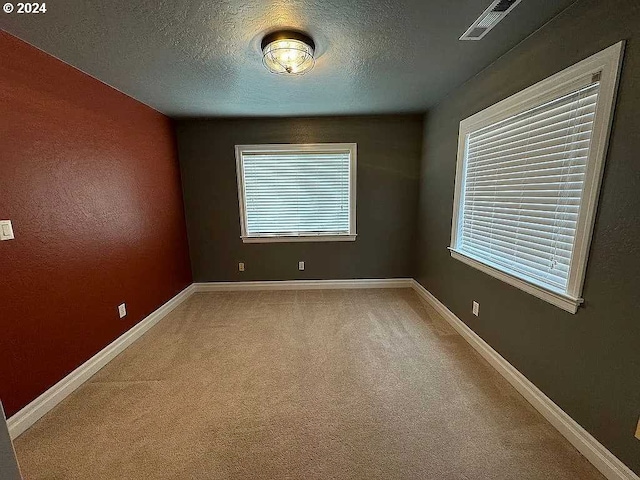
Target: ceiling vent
489 19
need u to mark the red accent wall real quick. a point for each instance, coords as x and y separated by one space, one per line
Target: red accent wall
90 179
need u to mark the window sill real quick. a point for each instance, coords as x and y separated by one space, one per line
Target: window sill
564 302
301 238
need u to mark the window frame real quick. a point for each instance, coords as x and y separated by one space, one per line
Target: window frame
607 63
351 148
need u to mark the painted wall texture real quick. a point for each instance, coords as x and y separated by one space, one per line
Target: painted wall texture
8 462
588 363
91 181
388 162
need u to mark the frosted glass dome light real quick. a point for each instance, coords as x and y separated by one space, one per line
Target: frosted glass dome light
288 53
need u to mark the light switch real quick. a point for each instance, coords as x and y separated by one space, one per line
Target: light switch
6 230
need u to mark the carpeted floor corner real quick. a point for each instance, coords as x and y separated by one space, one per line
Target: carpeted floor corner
320 384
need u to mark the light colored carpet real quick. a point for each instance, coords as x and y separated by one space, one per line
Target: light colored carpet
334 384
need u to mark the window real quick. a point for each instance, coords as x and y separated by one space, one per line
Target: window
293 193
528 176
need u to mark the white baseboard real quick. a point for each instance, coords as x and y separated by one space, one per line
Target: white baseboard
305 284
31 413
605 461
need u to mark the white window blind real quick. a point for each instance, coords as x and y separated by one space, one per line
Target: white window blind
528 178
296 191
523 188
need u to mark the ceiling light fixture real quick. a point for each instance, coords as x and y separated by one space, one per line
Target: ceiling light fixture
288 52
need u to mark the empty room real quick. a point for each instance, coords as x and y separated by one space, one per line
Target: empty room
315 239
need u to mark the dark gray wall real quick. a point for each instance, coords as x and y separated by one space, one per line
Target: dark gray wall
588 363
8 464
389 150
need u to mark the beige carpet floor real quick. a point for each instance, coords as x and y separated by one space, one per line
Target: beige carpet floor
334 384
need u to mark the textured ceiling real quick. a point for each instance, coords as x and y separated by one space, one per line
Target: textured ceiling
202 58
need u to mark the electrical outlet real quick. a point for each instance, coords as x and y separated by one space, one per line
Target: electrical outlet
638 430
241 267
476 308
122 310
300 266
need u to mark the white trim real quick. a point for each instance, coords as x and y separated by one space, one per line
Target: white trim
610 65
36 409
607 63
605 461
299 238
562 301
31 413
351 148
305 284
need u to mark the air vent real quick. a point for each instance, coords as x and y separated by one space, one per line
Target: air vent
489 19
